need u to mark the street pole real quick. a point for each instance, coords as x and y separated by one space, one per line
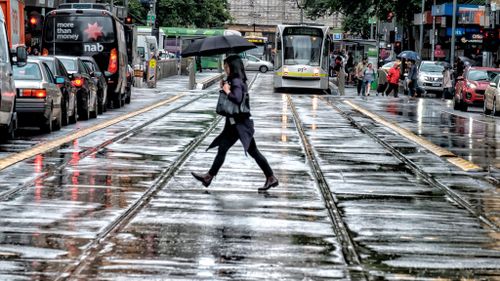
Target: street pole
453 28
488 13
433 38
301 6
421 41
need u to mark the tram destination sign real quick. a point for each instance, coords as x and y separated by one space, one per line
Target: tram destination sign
302 31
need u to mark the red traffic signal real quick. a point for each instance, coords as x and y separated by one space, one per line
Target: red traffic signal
33 20
128 20
390 15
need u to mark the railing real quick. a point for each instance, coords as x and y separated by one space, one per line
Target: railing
166 68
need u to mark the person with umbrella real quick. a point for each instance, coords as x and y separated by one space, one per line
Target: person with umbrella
412 79
236 127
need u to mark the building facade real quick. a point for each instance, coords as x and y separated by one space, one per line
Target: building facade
263 15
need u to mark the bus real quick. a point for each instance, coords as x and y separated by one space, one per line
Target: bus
90 32
302 57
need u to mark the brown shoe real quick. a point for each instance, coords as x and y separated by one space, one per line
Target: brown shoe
271 181
205 179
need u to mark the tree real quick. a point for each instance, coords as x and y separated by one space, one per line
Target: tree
356 13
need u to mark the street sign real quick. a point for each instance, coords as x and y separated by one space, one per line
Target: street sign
337 36
372 20
399 37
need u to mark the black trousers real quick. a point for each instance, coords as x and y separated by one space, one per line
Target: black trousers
392 87
224 147
359 85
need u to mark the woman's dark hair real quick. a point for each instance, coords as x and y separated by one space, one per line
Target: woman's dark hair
236 68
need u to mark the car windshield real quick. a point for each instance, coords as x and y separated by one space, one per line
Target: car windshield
431 67
69 64
482 75
389 64
30 71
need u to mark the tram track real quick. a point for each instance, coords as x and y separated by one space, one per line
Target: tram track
418 171
95 246
89 151
351 256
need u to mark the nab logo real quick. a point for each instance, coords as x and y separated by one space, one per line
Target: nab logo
93 47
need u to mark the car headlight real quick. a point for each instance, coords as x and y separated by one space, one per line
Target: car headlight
421 78
470 85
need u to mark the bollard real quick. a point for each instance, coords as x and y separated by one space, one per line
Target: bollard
138 76
192 74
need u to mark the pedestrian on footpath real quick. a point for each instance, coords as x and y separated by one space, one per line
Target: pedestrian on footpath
237 127
412 79
382 81
359 70
369 75
393 80
447 85
341 80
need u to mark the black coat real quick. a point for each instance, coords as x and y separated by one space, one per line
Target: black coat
243 125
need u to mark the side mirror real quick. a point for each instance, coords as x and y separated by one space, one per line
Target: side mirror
21 55
92 74
60 80
493 85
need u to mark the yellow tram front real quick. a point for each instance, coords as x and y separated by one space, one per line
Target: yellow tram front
301 59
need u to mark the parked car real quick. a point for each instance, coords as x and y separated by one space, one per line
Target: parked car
68 90
100 81
470 88
387 66
430 76
254 63
8 115
39 99
492 97
87 89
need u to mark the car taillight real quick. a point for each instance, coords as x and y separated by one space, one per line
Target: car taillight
77 82
113 61
34 93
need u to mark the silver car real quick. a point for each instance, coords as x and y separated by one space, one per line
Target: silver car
492 97
430 76
254 63
39 99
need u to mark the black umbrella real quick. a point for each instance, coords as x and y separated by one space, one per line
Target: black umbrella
217 45
409 55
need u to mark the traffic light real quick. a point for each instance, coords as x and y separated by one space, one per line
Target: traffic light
35 22
129 20
397 47
490 39
390 15
392 37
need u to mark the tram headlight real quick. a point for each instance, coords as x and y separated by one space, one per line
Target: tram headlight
285 71
316 72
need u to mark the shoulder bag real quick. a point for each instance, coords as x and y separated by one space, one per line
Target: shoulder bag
226 107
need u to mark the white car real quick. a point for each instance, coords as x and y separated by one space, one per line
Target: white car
430 76
492 97
254 63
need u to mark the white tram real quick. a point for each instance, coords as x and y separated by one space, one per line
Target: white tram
302 57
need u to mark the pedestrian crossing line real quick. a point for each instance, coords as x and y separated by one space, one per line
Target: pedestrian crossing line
435 149
50 145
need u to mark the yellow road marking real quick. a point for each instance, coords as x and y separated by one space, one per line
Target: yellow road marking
437 150
50 145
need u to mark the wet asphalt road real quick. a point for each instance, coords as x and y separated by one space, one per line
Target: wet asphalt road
349 209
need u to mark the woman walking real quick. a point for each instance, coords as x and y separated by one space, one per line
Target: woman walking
393 79
369 76
237 127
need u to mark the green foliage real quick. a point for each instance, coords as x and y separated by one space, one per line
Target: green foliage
184 13
357 12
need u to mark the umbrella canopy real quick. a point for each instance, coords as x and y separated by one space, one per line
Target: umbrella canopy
217 45
409 55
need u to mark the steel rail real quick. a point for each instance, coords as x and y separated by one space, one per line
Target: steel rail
89 151
95 246
350 254
417 170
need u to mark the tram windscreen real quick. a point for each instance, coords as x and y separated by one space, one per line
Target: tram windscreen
302 45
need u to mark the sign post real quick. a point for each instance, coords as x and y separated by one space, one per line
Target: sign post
151 78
